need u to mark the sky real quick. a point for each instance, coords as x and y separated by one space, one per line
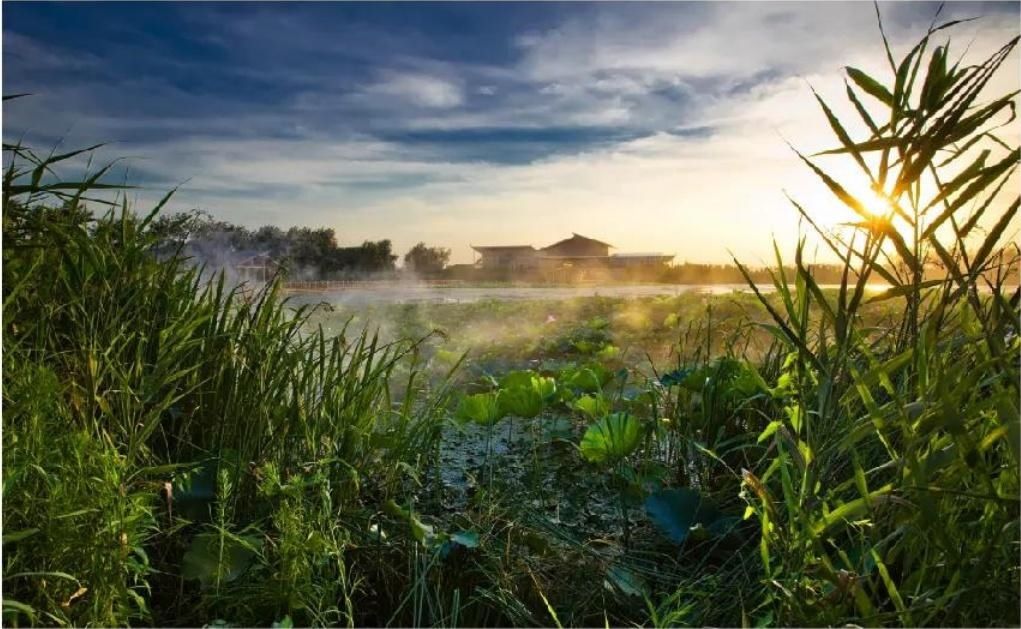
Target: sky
652 126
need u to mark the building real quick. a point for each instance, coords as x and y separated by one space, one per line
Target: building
257 268
577 247
577 257
507 257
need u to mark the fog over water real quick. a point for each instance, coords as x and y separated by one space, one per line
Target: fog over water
423 293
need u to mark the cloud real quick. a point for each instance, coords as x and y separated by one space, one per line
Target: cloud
418 89
657 126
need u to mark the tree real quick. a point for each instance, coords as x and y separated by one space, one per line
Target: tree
423 259
309 252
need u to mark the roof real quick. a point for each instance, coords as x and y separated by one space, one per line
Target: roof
256 261
577 236
503 248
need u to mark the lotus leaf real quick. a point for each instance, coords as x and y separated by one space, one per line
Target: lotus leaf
611 438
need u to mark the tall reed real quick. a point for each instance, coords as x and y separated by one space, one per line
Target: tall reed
890 491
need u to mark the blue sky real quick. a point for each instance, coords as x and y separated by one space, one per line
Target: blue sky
654 126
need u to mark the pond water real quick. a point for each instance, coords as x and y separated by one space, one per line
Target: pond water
396 293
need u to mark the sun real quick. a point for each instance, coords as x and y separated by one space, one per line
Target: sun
877 204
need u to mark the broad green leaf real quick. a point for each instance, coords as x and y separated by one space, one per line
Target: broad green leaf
520 402
589 378
517 379
594 406
481 408
546 386
611 438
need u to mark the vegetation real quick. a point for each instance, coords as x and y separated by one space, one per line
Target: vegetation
427 260
177 452
301 252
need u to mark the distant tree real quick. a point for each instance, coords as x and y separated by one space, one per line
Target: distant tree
313 250
173 231
377 256
308 252
271 240
423 259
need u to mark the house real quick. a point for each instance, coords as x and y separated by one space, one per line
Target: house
578 247
257 268
577 257
508 257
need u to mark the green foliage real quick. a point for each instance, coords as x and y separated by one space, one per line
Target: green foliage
481 408
423 259
525 393
611 438
299 251
521 402
588 378
891 478
131 384
593 406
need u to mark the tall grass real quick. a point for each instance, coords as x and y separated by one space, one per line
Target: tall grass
890 493
157 425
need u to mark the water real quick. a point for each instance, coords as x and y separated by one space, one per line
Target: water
398 293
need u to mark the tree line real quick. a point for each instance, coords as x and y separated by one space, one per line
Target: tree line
303 252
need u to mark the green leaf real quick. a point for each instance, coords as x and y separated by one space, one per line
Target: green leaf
520 402
11 609
517 379
524 394
594 406
608 352
769 430
589 378
870 85
611 438
481 408
17 536
423 533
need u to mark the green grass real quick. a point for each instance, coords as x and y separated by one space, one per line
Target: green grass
177 452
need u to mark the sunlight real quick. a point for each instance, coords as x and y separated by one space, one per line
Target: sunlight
876 203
